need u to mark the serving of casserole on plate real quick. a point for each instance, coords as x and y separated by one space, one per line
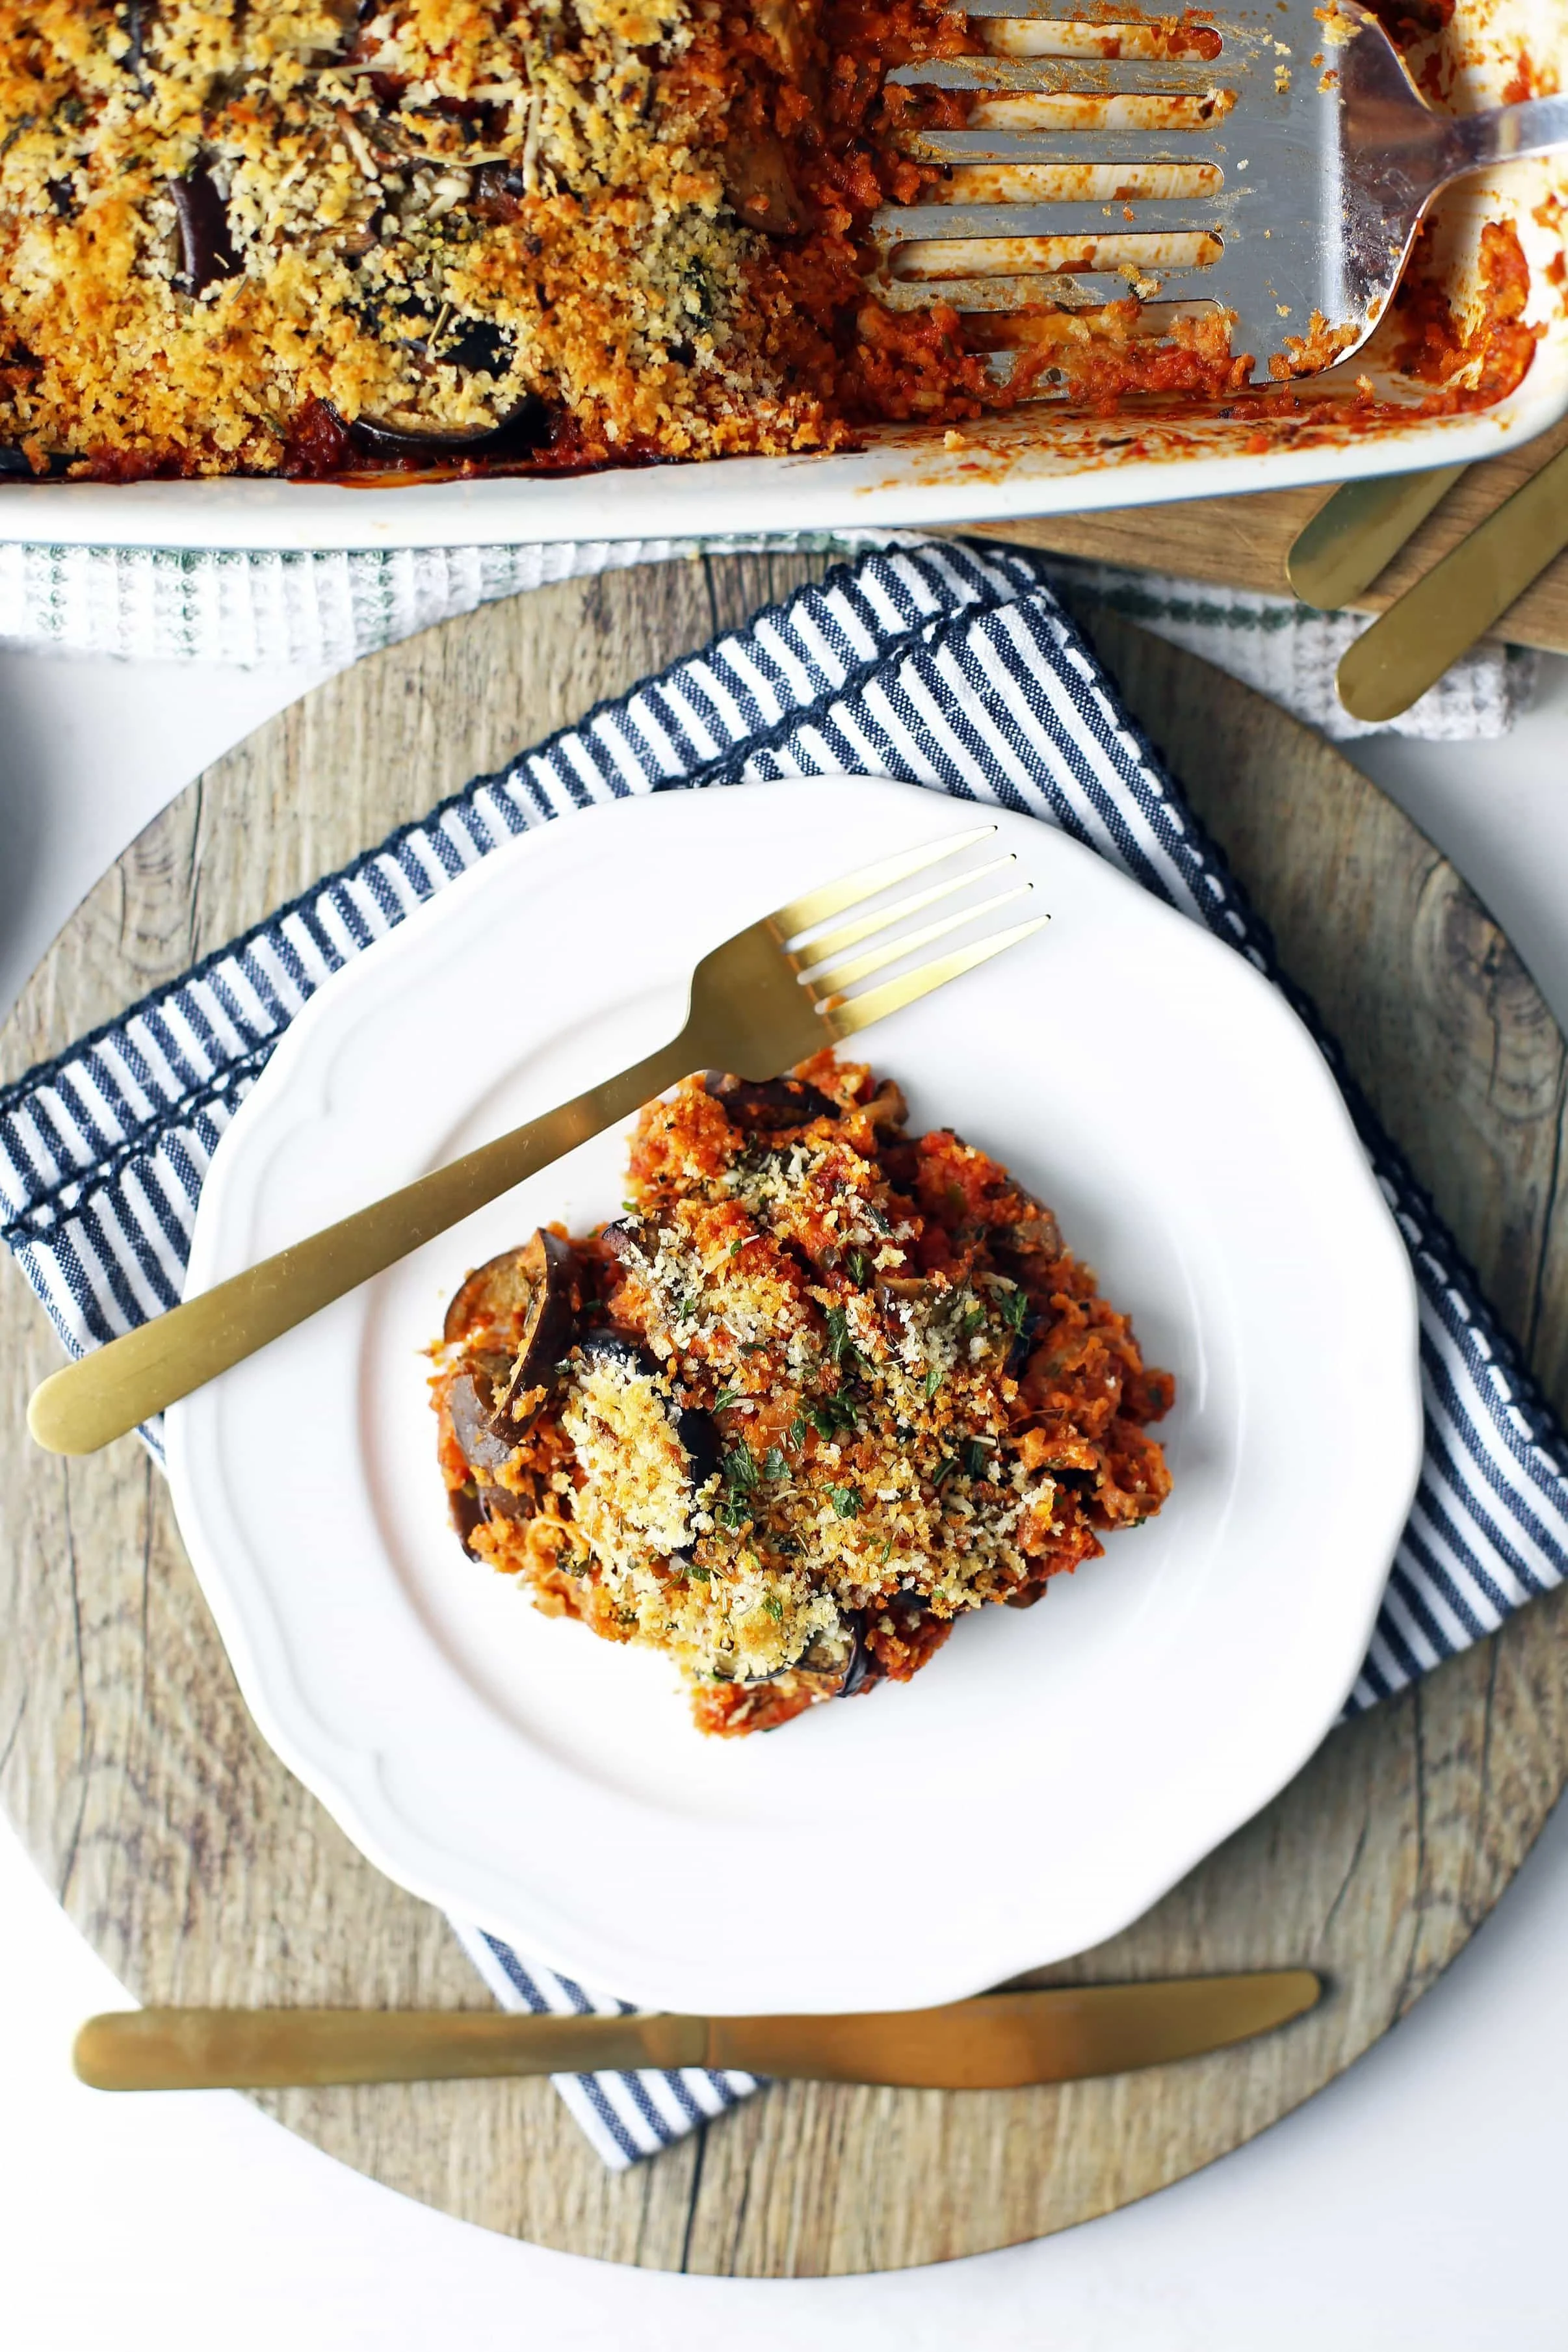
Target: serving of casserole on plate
1056 1767
495 247
826 1387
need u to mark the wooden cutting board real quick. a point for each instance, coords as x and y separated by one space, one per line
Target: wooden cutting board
1243 542
201 1872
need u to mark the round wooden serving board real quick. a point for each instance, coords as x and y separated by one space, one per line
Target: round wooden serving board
201 1872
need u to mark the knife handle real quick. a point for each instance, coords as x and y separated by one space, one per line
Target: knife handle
261 2049
1357 533
1409 646
997 2042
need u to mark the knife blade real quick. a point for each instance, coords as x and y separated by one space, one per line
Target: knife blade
996 2042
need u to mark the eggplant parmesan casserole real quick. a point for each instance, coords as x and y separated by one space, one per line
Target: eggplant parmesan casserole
824 1388
329 238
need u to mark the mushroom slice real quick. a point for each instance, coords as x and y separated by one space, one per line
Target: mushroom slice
548 1264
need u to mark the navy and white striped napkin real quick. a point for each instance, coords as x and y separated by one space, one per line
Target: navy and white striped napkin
948 667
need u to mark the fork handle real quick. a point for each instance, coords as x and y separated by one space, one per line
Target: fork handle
1532 127
115 1388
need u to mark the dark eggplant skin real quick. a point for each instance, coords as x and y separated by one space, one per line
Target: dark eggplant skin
549 1266
604 1345
699 1434
467 1515
205 250
768 1105
493 1298
856 1672
471 1508
523 434
1021 1345
468 1404
849 1680
626 1238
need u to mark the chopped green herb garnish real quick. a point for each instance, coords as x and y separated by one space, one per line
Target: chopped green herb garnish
859 1266
728 1397
1015 1307
846 1501
832 1414
795 1433
773 1606
698 1575
736 1247
934 1382
838 1338
774 1463
739 1466
977 1460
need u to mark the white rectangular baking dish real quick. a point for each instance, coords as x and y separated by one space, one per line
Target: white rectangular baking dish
1042 460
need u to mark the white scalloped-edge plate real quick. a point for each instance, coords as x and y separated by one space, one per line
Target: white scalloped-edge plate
1052 1772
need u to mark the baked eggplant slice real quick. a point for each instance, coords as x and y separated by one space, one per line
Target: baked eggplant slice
523 434
549 1267
768 1105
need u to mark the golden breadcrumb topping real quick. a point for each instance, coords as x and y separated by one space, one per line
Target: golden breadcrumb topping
824 1389
214 217
308 237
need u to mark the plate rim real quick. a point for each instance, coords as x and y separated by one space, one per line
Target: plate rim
348 1781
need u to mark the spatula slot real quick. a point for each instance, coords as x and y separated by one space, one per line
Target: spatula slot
1068 110
1076 184
1056 37
927 260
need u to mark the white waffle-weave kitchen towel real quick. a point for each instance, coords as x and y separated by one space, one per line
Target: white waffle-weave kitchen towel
162 604
955 668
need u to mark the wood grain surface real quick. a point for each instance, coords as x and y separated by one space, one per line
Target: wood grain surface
201 1872
1242 542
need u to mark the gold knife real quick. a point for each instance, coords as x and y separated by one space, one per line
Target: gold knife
1408 647
1358 532
993 2044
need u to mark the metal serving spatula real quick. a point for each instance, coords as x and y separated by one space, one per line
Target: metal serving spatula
1275 159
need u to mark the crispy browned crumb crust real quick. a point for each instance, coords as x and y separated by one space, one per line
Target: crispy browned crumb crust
826 1387
308 237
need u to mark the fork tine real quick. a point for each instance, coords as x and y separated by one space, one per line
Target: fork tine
862 967
846 1018
836 897
834 943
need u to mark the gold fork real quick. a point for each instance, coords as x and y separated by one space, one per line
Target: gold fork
766 999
